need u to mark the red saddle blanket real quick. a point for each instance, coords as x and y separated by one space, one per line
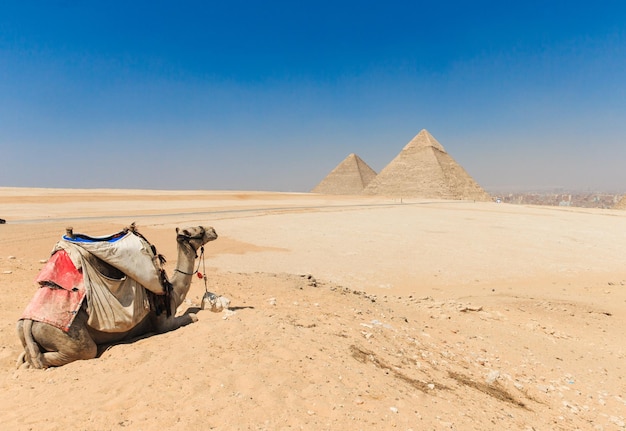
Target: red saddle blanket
60 295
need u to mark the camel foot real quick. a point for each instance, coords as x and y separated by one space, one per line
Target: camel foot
21 360
193 317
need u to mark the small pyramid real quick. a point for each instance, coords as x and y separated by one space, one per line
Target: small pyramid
349 178
424 169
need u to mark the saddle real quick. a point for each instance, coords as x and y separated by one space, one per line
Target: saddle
119 278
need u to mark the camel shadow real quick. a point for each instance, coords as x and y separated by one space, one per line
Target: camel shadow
195 310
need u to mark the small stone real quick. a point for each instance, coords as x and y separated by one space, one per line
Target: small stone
272 301
7 272
358 401
431 386
466 308
492 377
227 313
11 257
43 260
393 409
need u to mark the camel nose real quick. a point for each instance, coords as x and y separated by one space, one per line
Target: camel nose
210 233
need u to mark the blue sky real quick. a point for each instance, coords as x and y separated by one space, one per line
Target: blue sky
273 95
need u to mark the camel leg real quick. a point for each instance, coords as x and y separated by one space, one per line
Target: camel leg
164 324
31 353
56 359
47 346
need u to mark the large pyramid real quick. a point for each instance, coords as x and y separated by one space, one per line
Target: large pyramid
348 178
424 169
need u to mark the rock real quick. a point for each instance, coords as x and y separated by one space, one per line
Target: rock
311 281
227 313
492 377
466 308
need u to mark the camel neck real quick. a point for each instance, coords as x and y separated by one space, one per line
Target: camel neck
181 278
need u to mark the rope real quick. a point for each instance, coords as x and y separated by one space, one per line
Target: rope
206 289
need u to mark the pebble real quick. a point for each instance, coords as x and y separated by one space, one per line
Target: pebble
227 313
272 301
11 257
393 409
492 377
7 272
543 388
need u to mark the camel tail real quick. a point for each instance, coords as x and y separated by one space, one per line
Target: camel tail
31 353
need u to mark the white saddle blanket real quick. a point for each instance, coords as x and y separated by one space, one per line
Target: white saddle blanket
116 305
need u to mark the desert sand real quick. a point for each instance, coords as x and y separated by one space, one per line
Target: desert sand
347 313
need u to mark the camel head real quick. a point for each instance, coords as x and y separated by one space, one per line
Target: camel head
196 236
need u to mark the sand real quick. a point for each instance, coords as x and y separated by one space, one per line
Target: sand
347 313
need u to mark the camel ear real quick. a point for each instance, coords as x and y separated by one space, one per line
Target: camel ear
176 231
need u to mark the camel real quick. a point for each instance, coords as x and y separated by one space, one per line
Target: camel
48 346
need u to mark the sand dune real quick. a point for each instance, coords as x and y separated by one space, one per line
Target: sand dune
347 313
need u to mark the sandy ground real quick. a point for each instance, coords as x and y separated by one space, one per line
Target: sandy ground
346 314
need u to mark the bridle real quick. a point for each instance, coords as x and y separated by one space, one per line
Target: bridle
186 238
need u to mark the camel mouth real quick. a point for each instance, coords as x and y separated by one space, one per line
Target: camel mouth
209 234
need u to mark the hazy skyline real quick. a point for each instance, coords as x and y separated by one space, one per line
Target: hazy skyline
273 95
